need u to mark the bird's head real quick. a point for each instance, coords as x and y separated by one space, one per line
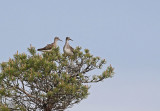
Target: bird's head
68 38
57 38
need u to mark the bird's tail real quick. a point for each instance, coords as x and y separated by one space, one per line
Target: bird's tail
40 49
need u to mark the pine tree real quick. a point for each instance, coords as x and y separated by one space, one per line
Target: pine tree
50 81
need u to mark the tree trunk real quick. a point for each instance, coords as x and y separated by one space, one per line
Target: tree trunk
47 109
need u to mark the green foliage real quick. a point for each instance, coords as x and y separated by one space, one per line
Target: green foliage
48 80
4 108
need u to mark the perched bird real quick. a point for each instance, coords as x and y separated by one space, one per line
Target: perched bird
68 50
49 47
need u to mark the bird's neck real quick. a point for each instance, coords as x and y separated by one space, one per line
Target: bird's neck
67 42
55 43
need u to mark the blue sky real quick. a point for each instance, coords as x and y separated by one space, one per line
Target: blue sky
125 32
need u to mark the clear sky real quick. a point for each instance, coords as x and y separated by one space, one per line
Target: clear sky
125 32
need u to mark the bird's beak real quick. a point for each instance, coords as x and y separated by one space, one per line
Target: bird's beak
60 40
71 39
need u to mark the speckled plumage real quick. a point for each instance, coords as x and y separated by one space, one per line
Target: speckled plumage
68 50
49 47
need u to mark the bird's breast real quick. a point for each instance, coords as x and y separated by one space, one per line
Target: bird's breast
68 51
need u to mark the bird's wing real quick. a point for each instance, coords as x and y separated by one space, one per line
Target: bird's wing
71 48
47 47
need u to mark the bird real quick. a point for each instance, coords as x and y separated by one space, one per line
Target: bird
68 50
49 47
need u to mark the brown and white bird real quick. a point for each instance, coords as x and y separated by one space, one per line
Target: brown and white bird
49 47
68 50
